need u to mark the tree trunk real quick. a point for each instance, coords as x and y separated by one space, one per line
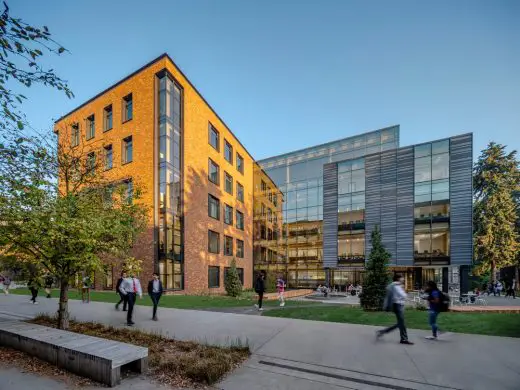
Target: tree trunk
63 310
493 273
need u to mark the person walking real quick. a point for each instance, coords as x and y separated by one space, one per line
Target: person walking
130 288
48 284
85 289
121 295
280 288
155 290
7 283
434 302
34 283
394 301
260 289
499 288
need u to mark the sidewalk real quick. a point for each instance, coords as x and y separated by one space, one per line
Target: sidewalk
296 354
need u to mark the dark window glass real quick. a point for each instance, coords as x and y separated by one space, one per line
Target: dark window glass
240 249
74 134
213 137
228 246
91 127
128 109
240 220
107 113
240 163
229 183
91 162
213 207
240 192
263 186
213 277
240 272
129 191
127 150
228 215
228 152
108 157
213 172
213 242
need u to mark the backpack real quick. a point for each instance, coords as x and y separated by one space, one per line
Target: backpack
444 302
258 286
388 304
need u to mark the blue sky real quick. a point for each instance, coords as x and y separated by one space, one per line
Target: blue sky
285 75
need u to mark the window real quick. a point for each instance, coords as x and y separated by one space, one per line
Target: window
228 152
240 163
91 162
213 207
129 191
263 186
213 172
213 277
229 183
128 109
127 150
74 134
240 220
228 215
108 157
275 200
214 137
270 194
213 242
240 272
269 215
107 118
108 195
240 249
91 127
240 192
263 211
228 246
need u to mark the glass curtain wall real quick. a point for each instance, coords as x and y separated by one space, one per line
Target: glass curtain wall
299 177
170 172
432 204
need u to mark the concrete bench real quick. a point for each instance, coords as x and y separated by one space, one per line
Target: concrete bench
88 356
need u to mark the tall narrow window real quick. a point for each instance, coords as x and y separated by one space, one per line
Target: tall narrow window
228 152
228 246
240 220
213 277
240 192
129 191
128 108
107 120
74 134
240 249
213 137
128 151
228 215
108 157
229 183
213 242
91 163
213 207
213 172
91 127
263 186
240 163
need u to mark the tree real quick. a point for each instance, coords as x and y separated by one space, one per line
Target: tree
22 47
232 281
496 180
58 213
376 275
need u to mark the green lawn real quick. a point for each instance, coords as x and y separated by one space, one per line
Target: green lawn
172 301
494 324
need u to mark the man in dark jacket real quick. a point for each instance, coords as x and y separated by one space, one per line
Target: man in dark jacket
155 290
122 297
260 289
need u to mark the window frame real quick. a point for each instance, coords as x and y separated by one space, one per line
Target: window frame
214 198
217 268
239 241
127 99
228 147
210 232
226 209
106 110
240 167
90 132
239 185
226 241
210 129
124 157
91 162
75 134
210 161
226 176
106 149
239 226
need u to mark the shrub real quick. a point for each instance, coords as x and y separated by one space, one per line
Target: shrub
232 281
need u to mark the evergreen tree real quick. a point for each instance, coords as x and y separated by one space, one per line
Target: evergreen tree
496 181
232 281
377 275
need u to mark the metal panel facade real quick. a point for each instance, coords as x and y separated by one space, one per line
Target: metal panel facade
405 206
461 199
372 197
330 215
388 194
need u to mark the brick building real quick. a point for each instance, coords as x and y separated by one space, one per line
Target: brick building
155 131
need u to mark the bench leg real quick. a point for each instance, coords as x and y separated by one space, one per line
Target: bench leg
115 377
140 366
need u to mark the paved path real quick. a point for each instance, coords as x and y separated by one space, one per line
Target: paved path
297 354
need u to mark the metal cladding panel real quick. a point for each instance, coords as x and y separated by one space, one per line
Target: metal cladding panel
461 199
388 195
330 215
372 197
405 206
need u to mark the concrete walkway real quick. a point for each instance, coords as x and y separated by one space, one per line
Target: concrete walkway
296 354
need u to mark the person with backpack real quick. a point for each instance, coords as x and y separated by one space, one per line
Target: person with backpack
394 301
260 289
435 300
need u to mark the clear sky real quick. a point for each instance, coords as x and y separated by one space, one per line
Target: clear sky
289 74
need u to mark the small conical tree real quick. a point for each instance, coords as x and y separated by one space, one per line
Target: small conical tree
232 281
377 276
